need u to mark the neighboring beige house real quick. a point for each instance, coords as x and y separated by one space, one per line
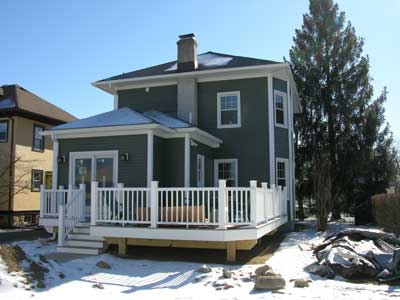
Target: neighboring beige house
25 155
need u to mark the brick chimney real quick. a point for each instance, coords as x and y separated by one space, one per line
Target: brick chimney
187 53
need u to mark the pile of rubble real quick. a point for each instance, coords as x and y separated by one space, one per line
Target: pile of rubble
358 254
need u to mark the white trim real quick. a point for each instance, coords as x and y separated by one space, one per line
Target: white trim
54 178
92 155
200 183
285 108
150 157
271 128
229 160
291 189
224 94
187 161
116 100
141 85
105 85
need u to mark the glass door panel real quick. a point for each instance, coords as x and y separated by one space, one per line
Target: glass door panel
83 174
105 171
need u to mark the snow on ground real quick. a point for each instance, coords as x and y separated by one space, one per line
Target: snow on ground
147 279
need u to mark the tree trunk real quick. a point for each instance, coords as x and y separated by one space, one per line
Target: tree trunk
301 208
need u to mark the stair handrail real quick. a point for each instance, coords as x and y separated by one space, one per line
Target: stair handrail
71 213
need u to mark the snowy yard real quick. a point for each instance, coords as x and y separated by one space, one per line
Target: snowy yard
146 279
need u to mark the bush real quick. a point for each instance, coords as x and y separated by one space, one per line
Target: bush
386 211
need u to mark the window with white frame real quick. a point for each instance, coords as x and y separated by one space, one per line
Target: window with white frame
280 101
3 131
226 169
37 180
228 108
281 171
38 139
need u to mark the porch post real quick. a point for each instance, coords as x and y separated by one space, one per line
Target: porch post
221 204
264 186
54 177
253 202
187 160
154 204
82 188
61 223
93 202
150 148
42 191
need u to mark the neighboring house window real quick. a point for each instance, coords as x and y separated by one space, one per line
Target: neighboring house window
281 171
37 180
200 170
3 131
280 108
38 139
228 110
226 169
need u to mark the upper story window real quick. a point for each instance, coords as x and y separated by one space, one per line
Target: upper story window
37 180
38 139
228 110
3 131
280 101
281 171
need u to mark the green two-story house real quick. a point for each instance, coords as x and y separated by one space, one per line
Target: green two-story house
186 123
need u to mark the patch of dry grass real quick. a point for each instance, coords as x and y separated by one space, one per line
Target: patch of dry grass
13 256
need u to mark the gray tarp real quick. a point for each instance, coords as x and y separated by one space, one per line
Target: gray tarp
358 254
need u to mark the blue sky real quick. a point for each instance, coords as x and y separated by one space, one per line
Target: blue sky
57 48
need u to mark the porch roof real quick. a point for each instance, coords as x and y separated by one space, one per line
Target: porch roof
123 117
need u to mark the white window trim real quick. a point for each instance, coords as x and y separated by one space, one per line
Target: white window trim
287 177
231 160
202 174
285 110
219 95
93 154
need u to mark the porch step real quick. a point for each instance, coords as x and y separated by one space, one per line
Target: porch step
79 250
84 243
84 236
79 241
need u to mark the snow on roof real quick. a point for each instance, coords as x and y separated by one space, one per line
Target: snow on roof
7 103
119 117
165 119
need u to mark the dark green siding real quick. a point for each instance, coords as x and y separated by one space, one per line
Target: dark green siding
158 160
208 164
132 172
281 134
249 144
162 98
174 162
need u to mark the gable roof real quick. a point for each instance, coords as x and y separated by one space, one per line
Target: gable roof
15 100
123 117
206 61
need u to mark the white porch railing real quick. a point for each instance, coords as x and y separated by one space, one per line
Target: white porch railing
71 212
51 199
156 206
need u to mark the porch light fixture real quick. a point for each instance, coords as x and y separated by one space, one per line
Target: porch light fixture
60 159
124 156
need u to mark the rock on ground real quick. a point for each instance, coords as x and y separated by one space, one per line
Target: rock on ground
204 269
103 265
269 283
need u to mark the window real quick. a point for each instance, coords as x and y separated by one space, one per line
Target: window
3 131
37 180
200 170
228 108
280 108
226 169
281 171
38 139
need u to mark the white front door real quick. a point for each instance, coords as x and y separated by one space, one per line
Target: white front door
200 170
86 167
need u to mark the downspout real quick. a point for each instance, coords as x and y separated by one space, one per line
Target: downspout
11 171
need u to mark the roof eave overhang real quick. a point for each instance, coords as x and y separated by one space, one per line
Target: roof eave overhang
109 85
200 136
